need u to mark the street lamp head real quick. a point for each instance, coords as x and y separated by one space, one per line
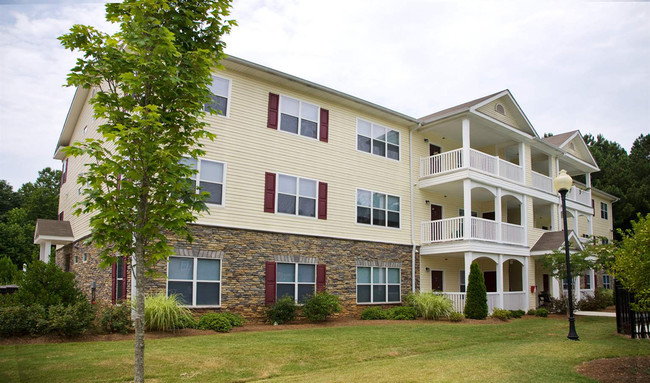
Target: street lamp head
563 182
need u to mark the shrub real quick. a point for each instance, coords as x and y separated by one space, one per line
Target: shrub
501 314
236 320
116 318
531 312
8 271
601 299
559 305
517 313
71 320
456 317
476 301
215 322
23 320
46 284
283 311
164 312
402 313
432 305
320 306
374 313
541 313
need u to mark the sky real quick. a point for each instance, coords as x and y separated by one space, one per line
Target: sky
570 65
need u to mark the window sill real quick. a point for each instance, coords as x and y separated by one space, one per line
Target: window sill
378 303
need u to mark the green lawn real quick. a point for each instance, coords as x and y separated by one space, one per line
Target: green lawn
530 349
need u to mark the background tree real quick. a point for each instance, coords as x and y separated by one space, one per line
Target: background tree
9 199
41 198
476 302
632 261
152 79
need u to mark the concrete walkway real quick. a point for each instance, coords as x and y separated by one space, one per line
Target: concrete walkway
595 314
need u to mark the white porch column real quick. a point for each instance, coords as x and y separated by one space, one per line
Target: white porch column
467 207
557 167
577 288
45 251
524 216
554 225
592 280
590 225
588 180
526 283
500 282
555 289
522 161
575 221
497 213
468 265
466 142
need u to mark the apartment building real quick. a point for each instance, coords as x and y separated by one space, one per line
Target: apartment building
312 189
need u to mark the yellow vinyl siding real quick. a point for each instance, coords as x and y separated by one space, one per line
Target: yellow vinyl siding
602 227
450 267
489 109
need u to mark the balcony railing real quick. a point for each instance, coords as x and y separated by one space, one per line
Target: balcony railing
452 160
450 229
512 300
543 183
579 195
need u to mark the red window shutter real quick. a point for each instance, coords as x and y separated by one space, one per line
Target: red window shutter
61 216
274 106
269 193
124 278
270 283
322 200
324 124
321 278
114 283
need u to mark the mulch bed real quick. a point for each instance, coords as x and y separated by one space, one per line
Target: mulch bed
614 370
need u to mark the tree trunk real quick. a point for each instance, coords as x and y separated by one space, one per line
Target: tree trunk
139 312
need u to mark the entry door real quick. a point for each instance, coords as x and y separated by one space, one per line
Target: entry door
545 282
436 280
436 212
434 149
489 215
490 281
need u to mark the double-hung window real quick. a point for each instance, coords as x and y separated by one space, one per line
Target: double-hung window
210 176
378 285
378 209
299 117
197 281
603 210
296 196
377 139
461 276
220 94
295 280
606 281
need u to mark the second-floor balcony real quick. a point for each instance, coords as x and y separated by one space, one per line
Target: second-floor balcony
545 184
453 160
457 228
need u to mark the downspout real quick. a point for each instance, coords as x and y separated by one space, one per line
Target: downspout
413 244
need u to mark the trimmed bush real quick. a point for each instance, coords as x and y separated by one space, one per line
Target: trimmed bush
402 313
320 306
476 302
431 305
374 313
164 313
456 317
517 313
8 271
235 320
116 319
71 320
283 311
215 321
541 313
23 320
601 299
531 312
500 314
46 284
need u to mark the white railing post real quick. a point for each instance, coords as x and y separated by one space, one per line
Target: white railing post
466 142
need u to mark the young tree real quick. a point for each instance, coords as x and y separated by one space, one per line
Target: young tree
555 263
476 302
632 261
152 79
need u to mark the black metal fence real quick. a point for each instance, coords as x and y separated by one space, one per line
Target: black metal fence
628 321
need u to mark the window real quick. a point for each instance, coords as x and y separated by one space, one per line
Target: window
377 139
299 117
565 284
85 257
296 196
500 109
197 281
378 285
76 259
461 213
378 209
211 176
587 278
119 280
61 215
220 94
603 210
461 279
295 280
606 281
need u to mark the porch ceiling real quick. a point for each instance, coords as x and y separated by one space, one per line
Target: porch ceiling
482 133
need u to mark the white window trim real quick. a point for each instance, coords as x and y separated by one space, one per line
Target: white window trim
605 210
461 281
608 284
195 281
85 258
227 115
197 180
76 259
297 195
371 284
295 281
356 212
356 141
300 102
496 109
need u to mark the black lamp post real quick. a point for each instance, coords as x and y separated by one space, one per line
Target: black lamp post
562 184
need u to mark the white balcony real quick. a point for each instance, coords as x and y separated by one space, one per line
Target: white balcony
512 300
453 160
543 183
451 229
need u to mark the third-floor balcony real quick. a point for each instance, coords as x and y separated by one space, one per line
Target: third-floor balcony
483 162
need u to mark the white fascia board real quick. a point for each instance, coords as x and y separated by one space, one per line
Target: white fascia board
76 106
53 239
571 137
474 246
514 101
510 128
571 157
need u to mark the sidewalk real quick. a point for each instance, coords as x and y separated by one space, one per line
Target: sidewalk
595 314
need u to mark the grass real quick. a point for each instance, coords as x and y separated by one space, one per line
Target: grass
531 349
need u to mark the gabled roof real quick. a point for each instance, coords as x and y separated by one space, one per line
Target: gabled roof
562 141
554 240
50 230
559 139
456 109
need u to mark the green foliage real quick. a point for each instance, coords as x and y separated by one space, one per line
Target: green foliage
320 306
560 305
501 314
40 199
23 320
456 317
17 237
8 271
601 299
47 285
374 313
476 298
632 262
9 199
220 322
164 313
116 319
72 319
431 305
555 263
541 312
531 312
283 311
517 313
402 313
